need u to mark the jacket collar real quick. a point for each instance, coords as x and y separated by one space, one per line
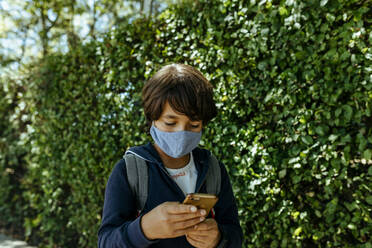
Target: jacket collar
149 153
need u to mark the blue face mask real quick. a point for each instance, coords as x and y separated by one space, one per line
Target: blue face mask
175 144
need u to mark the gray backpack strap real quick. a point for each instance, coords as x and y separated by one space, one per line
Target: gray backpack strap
137 172
213 178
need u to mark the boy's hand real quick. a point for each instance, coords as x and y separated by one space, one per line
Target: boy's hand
170 220
204 235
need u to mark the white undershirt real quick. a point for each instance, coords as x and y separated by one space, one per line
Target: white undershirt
186 176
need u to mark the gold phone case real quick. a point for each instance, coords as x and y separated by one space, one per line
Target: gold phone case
201 200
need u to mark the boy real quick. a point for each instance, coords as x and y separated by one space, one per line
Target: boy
178 103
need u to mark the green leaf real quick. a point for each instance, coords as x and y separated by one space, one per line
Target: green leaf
318 213
293 160
282 173
346 139
307 139
367 154
369 199
351 226
332 138
323 3
296 179
283 11
348 110
322 130
319 130
338 112
297 231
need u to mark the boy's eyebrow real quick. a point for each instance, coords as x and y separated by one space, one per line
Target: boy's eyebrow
171 117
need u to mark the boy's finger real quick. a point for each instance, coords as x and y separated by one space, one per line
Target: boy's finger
182 225
199 233
187 216
195 241
204 226
182 232
181 209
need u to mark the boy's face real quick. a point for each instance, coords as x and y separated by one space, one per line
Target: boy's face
171 121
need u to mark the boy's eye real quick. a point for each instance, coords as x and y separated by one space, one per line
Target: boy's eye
172 124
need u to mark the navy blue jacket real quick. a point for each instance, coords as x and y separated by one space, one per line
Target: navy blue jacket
120 227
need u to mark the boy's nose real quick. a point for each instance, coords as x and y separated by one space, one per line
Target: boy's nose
182 128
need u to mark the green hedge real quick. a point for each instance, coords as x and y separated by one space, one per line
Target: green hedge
293 87
13 122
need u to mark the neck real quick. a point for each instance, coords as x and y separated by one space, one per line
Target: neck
170 162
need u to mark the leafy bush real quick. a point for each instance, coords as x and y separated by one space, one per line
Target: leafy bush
13 121
293 88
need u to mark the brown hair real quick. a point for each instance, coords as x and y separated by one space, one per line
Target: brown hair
186 90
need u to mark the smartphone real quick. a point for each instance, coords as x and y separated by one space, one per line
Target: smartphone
201 200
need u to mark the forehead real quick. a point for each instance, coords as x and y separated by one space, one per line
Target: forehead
170 113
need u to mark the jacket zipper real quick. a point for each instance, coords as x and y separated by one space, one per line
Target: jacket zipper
201 183
196 191
166 172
